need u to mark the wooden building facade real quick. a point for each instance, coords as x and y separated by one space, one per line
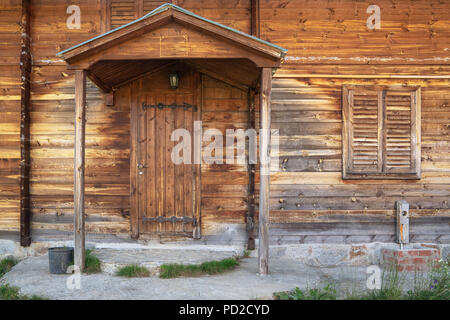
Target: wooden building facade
363 117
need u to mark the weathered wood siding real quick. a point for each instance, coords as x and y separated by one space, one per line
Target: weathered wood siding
335 31
310 189
52 130
9 113
235 14
329 46
224 186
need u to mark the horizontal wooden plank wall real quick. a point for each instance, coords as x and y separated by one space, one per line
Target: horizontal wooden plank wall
10 17
235 14
329 46
335 31
52 130
224 186
309 188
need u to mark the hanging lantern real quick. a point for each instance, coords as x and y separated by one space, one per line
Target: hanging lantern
174 80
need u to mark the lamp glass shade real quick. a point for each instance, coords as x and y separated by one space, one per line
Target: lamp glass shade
173 80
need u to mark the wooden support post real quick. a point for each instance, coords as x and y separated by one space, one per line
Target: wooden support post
264 158
197 116
78 187
135 158
251 177
25 70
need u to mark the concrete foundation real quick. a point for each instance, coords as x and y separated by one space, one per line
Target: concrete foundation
312 254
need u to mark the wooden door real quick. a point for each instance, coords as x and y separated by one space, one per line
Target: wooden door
167 192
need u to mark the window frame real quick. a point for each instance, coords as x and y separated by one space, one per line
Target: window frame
412 172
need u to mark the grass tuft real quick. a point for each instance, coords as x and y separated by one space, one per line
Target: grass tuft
436 287
326 293
391 287
133 271
92 264
8 292
6 265
174 270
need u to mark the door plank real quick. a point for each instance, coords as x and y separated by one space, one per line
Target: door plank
188 176
151 166
179 169
140 159
160 159
169 165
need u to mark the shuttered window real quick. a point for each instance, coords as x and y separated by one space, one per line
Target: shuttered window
120 12
381 132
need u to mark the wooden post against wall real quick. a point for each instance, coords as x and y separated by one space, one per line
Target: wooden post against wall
264 172
254 23
78 187
25 70
251 176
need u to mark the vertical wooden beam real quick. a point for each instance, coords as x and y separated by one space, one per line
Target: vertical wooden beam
254 30
103 13
25 70
107 13
264 158
139 8
254 9
251 167
197 116
78 187
135 213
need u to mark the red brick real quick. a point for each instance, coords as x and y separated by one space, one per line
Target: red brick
419 261
413 252
425 253
411 268
404 261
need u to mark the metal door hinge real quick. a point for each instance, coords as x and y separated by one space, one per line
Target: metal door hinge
161 106
161 219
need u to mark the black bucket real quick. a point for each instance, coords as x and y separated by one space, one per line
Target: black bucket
60 259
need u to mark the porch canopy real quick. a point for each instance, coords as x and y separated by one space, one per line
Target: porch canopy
160 38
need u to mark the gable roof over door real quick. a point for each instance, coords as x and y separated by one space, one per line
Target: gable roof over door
166 14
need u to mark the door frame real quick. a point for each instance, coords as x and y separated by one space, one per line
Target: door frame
135 104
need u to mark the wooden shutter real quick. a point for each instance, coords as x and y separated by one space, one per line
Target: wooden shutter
119 12
381 132
122 12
